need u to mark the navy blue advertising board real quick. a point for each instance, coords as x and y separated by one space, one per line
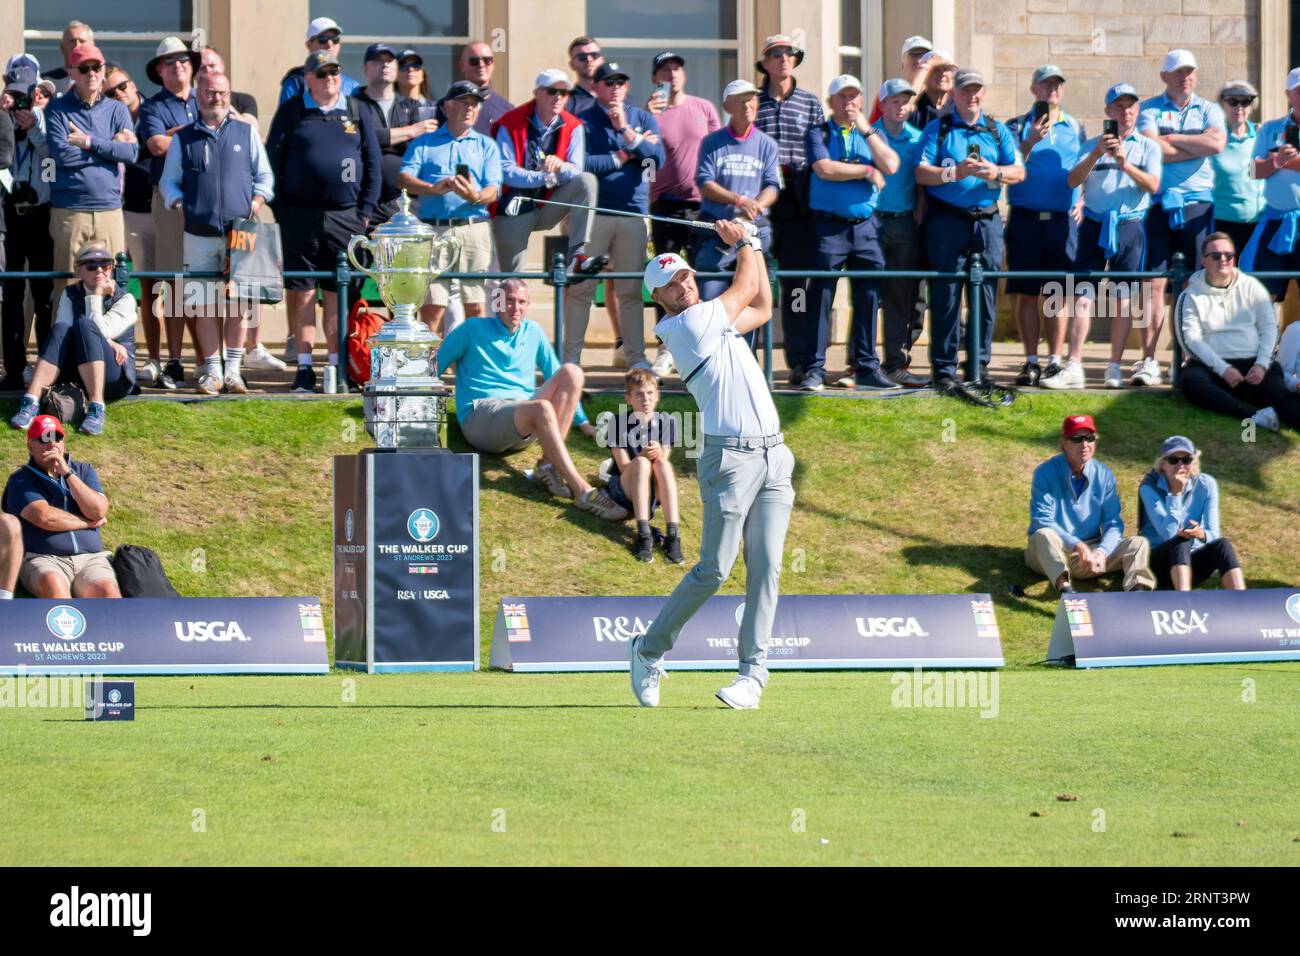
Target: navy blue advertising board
263 635
810 631
1125 629
406 574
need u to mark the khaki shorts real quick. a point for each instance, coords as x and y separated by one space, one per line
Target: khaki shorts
475 256
139 240
70 229
204 254
79 570
168 227
490 426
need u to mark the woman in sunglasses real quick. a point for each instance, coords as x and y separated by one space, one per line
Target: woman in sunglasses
1178 513
92 340
1238 195
413 82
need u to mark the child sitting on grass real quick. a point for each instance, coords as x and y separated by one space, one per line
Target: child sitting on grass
641 442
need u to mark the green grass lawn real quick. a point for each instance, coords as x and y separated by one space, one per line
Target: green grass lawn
908 495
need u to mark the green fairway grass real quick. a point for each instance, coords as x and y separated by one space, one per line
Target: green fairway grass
1170 765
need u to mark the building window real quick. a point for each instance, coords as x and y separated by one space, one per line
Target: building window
127 34
851 37
437 28
704 32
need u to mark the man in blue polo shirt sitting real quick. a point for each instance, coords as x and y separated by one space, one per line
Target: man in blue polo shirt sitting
966 158
1118 171
1045 213
901 210
1189 130
1075 526
457 172
61 506
848 171
499 406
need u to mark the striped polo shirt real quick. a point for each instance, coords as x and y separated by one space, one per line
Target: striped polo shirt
788 121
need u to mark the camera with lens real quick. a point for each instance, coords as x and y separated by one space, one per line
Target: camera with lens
25 199
22 101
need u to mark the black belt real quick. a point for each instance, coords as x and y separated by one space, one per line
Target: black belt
838 218
456 222
972 214
895 215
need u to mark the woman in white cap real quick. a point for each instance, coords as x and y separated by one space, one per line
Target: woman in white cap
914 51
1178 513
1238 195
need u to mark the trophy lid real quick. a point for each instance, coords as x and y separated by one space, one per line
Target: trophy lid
404 223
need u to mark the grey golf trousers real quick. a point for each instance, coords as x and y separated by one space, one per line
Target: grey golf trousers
747 494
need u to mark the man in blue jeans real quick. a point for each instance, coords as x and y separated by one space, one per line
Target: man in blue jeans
745 469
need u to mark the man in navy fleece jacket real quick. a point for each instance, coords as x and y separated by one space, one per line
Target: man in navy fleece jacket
87 134
623 153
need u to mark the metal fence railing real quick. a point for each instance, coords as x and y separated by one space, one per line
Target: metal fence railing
973 278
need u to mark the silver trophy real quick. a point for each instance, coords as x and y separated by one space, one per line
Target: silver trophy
407 255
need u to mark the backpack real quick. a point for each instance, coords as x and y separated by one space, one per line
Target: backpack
140 573
66 402
945 127
362 324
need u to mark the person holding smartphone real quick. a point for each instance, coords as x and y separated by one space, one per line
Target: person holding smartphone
1119 170
1042 229
1178 513
963 188
1272 246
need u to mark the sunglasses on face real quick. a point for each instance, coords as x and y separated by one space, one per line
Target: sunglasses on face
1239 102
555 91
781 53
410 65
481 60
119 88
175 60
584 57
1221 256
1179 459
327 72
328 39
97 265
615 83
89 68
1080 439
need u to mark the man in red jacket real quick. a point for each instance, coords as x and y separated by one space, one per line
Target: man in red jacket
542 153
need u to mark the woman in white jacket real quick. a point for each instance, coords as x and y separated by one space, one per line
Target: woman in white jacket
1227 323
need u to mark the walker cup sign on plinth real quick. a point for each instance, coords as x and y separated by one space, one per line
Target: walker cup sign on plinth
406 255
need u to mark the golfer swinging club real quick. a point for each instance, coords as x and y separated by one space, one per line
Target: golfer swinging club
744 470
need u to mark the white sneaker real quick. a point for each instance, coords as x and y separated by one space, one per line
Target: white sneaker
260 358
645 675
208 385
1114 376
663 364
1071 376
290 352
1267 418
743 694
546 475
1146 372
601 505
234 384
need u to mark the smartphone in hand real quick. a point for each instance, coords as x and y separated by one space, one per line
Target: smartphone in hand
1110 127
973 151
462 170
1040 110
1291 134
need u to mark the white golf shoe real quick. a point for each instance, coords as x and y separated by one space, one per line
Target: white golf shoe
645 675
1114 376
743 694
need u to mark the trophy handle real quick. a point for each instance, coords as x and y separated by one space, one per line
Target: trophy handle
436 257
361 242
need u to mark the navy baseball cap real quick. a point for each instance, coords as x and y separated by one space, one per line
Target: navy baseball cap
1121 89
318 60
1176 443
893 87
464 88
375 49
410 54
607 71
21 79
668 56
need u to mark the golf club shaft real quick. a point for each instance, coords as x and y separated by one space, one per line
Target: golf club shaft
708 226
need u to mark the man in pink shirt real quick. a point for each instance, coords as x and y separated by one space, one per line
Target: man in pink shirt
684 121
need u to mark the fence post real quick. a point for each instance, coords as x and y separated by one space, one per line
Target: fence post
342 277
975 308
559 279
1178 280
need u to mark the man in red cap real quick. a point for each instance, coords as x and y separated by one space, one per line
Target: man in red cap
1075 527
60 506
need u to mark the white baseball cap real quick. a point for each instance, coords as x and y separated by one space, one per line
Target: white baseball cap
1293 79
738 88
1177 59
916 43
551 77
660 270
942 56
321 25
843 82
